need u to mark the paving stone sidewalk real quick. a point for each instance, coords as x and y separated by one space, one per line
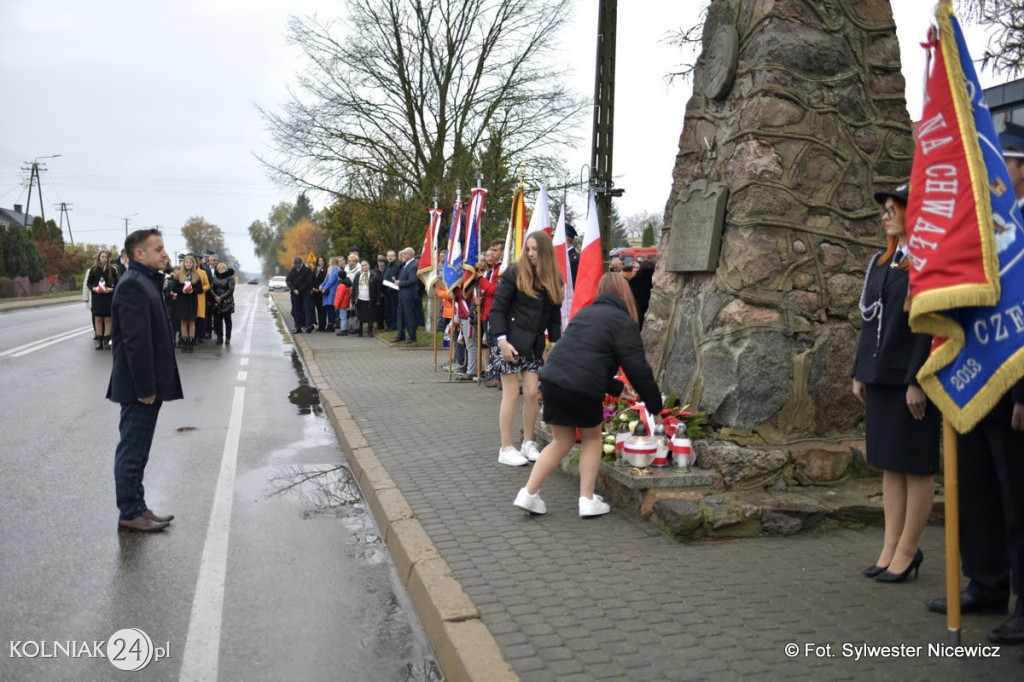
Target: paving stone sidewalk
612 598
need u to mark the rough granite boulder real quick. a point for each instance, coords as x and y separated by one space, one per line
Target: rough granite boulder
741 467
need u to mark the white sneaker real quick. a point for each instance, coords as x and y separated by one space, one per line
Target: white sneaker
531 503
594 506
530 450
511 457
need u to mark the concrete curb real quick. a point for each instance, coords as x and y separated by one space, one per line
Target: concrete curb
465 648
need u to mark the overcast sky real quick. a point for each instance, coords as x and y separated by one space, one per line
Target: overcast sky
151 106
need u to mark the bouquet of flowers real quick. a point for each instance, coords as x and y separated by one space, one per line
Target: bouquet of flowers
620 410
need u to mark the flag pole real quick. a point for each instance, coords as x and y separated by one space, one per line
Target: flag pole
479 311
951 483
451 324
437 300
952 523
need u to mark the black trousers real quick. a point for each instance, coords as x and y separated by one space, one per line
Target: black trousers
991 471
222 325
390 308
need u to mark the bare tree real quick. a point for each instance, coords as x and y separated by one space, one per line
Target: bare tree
405 94
1005 50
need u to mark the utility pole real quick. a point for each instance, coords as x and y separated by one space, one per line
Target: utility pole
34 177
132 215
604 118
64 208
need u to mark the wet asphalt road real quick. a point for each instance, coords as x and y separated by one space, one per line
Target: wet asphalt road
273 568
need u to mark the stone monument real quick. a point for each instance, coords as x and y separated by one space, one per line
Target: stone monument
798 116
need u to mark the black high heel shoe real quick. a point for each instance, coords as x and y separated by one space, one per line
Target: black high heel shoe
872 570
889 577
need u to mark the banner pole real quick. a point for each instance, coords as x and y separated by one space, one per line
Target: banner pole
952 524
479 342
451 347
433 329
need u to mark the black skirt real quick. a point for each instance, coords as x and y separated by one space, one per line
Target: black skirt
895 440
565 408
101 304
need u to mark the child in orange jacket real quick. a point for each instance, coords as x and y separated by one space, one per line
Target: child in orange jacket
342 299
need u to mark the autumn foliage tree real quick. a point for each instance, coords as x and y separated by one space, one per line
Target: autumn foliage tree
300 240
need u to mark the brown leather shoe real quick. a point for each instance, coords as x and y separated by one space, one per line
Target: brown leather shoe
152 516
140 524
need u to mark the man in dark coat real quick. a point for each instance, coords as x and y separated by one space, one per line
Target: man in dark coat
301 280
408 297
144 373
391 270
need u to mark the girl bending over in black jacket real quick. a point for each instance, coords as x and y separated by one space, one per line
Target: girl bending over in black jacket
601 338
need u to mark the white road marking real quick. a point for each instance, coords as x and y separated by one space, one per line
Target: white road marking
242 376
202 644
43 343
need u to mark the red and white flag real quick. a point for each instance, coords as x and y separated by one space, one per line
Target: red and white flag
427 270
561 244
591 263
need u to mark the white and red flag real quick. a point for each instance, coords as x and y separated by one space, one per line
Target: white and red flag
540 220
591 263
561 244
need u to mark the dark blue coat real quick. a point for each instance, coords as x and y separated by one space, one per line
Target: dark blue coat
143 344
408 282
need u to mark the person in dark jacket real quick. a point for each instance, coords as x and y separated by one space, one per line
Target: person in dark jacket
527 303
641 284
188 286
367 291
390 274
100 280
144 373
223 302
574 381
408 296
901 426
300 280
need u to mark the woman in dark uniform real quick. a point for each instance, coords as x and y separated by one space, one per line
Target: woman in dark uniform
901 425
101 280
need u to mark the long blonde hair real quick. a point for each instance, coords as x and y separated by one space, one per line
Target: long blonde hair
184 274
544 276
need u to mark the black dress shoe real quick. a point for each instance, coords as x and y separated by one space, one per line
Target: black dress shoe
140 524
295 331
869 572
888 576
153 516
1010 632
968 604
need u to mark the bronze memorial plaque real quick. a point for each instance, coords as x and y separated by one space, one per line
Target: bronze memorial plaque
696 235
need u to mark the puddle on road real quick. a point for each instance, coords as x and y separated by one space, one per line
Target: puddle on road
319 490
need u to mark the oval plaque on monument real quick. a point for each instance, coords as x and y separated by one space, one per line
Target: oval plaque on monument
696 234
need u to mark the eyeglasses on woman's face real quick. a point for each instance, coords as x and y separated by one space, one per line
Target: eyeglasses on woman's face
888 211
